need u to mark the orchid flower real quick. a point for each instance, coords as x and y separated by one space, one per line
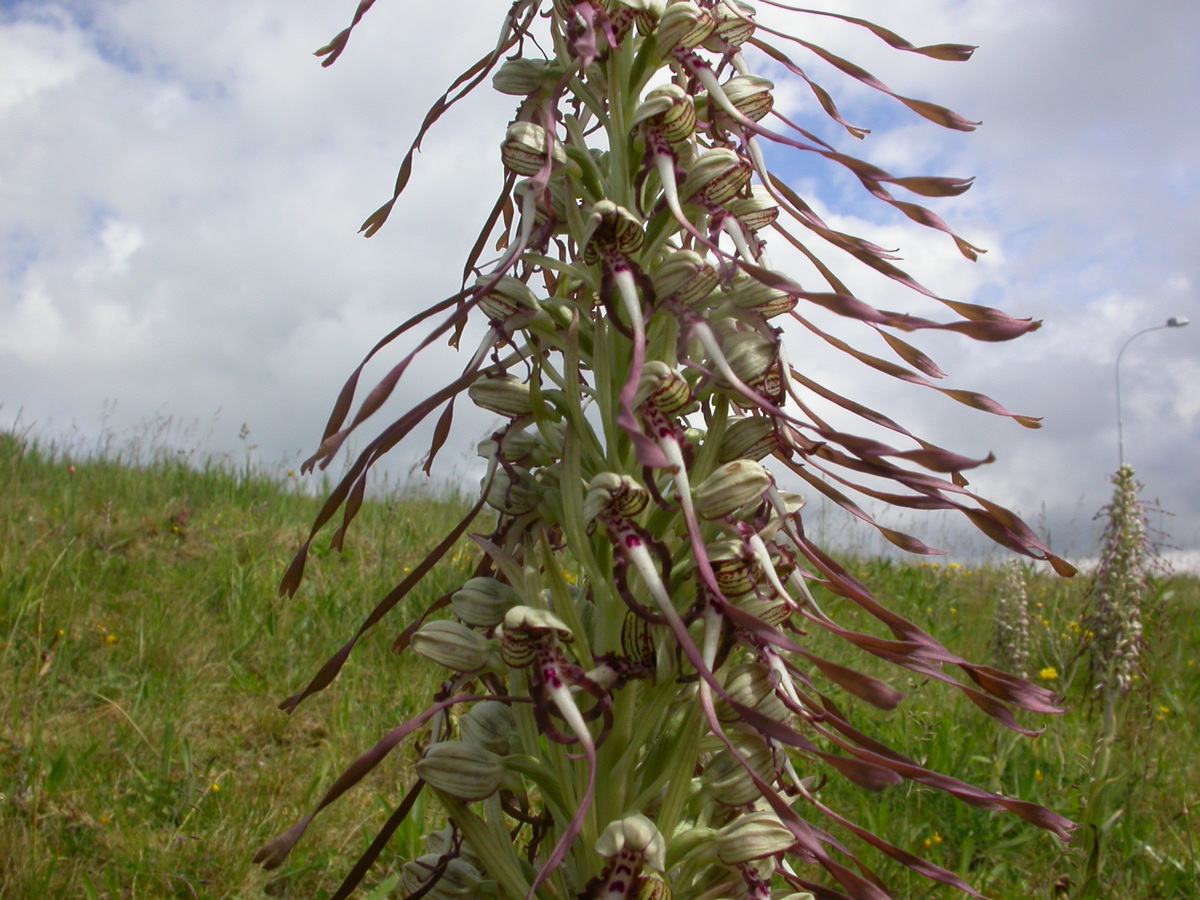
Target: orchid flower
632 708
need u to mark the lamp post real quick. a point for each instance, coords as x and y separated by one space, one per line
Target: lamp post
1173 322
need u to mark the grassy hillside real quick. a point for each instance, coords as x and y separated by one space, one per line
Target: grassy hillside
143 650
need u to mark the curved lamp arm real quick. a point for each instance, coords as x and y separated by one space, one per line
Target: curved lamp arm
1173 322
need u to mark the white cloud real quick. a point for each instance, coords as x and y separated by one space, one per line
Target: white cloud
180 188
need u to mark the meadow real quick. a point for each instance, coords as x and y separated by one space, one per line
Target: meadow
144 650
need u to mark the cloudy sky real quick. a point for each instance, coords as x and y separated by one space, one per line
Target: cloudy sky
181 186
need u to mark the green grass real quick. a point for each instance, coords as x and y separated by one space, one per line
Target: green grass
143 650
1151 849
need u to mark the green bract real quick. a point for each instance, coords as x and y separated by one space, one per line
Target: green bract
633 701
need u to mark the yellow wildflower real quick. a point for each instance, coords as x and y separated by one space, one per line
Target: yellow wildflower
1048 674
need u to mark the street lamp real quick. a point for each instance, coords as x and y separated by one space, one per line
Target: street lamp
1173 322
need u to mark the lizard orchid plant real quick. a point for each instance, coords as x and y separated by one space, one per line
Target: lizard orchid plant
630 707
1122 588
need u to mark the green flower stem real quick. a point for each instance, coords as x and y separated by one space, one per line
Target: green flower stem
677 772
563 604
1097 817
498 855
608 383
612 798
592 178
573 389
659 230
708 457
608 637
529 736
593 103
645 65
620 108
653 708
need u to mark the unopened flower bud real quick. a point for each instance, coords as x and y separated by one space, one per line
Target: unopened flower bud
765 605
652 887
683 25
753 296
733 569
523 631
734 25
525 448
755 212
490 725
482 602
559 198
459 881
750 95
754 359
785 505
787 502
536 622
611 228
465 771
750 685
522 77
726 779
549 479
505 298
613 494
729 488
528 449
716 177
669 111
643 7
634 834
637 641
504 395
751 437
664 388
453 645
524 149
448 841
685 276
513 492
753 836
